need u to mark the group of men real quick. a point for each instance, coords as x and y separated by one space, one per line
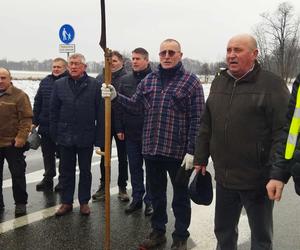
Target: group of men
160 118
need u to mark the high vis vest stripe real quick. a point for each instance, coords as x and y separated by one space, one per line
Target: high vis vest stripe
294 130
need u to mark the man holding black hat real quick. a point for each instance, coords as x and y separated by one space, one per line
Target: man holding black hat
240 129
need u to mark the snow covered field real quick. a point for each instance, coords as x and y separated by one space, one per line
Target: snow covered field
30 87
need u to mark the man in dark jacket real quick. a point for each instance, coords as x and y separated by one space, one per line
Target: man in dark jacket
76 124
240 128
118 70
287 160
41 120
172 102
129 126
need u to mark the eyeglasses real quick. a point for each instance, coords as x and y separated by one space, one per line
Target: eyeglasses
164 53
76 64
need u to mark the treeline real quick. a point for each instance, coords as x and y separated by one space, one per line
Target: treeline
194 66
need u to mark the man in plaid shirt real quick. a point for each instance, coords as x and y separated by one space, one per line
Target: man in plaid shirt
172 102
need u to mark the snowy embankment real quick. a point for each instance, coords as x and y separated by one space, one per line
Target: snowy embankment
30 87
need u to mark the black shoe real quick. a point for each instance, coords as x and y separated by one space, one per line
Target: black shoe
20 209
133 206
148 210
154 239
44 185
179 245
123 196
58 188
100 194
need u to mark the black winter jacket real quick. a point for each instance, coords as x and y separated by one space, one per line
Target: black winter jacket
115 81
125 120
76 114
42 103
282 169
241 127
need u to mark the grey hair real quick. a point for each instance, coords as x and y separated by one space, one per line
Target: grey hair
77 55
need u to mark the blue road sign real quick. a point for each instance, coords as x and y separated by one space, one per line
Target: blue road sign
66 33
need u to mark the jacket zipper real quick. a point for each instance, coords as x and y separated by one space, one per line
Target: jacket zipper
227 120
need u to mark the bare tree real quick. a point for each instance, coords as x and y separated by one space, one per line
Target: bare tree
278 40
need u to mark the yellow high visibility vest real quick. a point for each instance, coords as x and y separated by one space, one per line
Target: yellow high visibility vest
294 130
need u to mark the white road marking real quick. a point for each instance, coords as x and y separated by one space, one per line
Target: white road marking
37 216
38 175
201 228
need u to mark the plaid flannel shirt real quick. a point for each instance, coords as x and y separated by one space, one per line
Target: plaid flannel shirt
171 113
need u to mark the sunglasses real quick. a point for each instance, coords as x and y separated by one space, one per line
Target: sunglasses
164 53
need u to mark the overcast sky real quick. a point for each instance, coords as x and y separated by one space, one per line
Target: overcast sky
29 28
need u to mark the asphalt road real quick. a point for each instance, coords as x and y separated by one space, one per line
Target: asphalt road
41 230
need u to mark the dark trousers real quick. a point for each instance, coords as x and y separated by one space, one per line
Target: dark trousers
68 160
135 158
123 165
17 166
49 149
181 205
259 210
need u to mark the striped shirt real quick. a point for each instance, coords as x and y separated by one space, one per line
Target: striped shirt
172 112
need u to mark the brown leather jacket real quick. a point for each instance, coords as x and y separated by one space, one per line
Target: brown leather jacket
15 116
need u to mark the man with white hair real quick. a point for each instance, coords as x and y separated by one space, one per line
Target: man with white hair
76 120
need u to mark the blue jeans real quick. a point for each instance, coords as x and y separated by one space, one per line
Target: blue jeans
135 158
259 209
68 157
157 170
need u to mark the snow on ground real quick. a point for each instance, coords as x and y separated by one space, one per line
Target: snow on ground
30 87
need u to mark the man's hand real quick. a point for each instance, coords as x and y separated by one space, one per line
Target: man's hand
275 188
201 168
108 91
121 136
188 161
19 143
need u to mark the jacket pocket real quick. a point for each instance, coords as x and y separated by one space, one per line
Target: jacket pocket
179 101
262 154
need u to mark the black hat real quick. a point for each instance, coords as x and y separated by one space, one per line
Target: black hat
200 189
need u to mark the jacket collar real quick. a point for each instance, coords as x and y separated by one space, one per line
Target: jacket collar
250 76
9 90
141 74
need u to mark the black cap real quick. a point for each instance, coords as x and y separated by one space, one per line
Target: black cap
200 189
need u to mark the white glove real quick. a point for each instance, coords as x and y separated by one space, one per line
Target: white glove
188 161
108 91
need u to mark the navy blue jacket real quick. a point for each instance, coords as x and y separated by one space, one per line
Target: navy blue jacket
42 103
76 113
